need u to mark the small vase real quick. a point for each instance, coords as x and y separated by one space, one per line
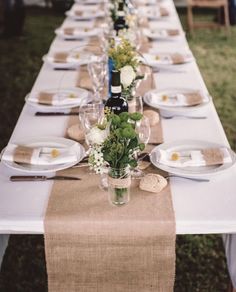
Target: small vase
119 181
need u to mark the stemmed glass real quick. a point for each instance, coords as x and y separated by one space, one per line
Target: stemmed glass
90 115
144 132
136 104
98 70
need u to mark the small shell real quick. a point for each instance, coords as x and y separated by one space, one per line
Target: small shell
75 133
153 117
152 182
143 164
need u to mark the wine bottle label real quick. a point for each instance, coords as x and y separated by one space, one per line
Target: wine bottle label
116 89
120 13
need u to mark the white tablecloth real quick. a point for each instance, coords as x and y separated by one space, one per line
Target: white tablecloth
199 207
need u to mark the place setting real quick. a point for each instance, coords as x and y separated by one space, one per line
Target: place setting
38 157
82 13
77 32
169 34
58 102
193 158
179 102
68 60
160 13
167 60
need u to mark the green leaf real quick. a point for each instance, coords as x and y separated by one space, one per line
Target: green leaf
136 116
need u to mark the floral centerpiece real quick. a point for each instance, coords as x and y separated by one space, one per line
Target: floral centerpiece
125 59
115 147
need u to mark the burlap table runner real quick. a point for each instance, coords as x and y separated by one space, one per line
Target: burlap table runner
92 246
83 78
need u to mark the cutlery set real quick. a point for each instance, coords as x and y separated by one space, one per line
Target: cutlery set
18 178
183 116
53 114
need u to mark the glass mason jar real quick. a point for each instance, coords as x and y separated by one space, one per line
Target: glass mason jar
119 181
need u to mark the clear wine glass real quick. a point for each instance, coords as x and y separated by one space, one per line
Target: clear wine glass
90 115
136 104
98 70
144 130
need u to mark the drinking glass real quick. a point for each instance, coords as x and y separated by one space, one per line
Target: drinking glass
90 115
144 130
98 70
136 104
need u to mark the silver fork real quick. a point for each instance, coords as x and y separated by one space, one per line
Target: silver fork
189 178
182 116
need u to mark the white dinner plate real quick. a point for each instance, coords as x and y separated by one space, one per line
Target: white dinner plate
83 95
56 142
185 145
148 99
153 14
79 33
87 14
164 59
161 34
74 60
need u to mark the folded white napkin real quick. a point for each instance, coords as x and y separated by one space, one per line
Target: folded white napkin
163 59
57 98
40 155
166 59
77 31
161 33
193 158
153 13
176 99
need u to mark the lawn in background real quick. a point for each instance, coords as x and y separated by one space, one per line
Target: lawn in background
200 261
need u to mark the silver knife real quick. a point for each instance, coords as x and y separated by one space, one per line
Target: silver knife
56 114
18 178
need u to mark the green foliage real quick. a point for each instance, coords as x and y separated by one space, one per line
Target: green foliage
122 142
123 54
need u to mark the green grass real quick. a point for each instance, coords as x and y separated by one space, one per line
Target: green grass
200 259
216 57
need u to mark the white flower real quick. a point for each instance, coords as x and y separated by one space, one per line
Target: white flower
127 75
97 136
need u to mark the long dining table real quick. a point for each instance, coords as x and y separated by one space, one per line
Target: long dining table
200 208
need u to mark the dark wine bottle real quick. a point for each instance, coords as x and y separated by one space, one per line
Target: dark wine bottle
120 23
116 103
